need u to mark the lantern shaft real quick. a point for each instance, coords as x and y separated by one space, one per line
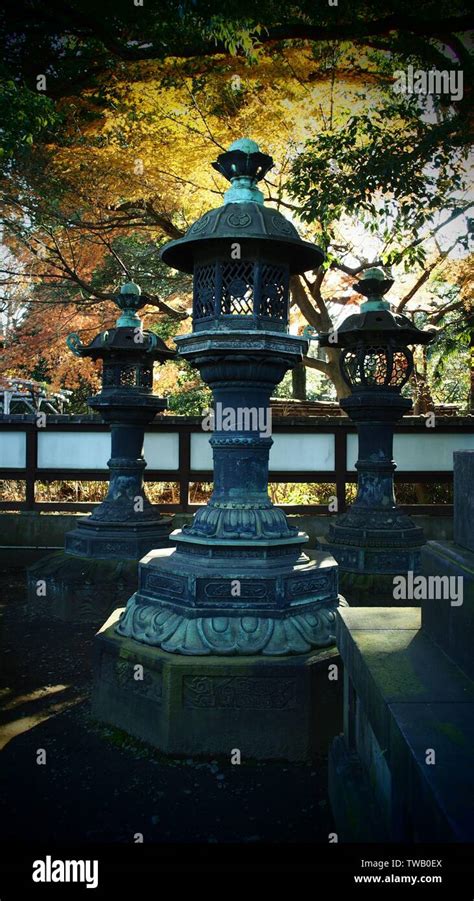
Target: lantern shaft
374 536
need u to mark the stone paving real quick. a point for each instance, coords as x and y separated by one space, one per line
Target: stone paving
98 784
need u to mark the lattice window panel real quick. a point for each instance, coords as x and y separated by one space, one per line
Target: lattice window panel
351 367
399 369
375 365
204 291
108 377
128 376
237 288
146 377
273 301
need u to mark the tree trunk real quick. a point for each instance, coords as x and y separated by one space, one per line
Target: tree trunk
334 373
298 379
330 368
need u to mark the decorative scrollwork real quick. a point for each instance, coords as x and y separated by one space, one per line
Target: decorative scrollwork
75 344
200 225
239 220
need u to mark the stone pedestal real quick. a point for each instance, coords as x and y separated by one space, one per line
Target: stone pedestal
269 708
374 540
403 700
284 602
362 575
404 768
79 589
98 569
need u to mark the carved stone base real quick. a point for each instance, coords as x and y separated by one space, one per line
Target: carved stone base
78 589
195 604
97 571
385 560
269 708
117 540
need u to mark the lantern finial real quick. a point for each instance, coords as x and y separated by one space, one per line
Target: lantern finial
373 285
243 165
129 300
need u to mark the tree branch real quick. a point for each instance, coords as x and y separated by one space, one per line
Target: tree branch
320 365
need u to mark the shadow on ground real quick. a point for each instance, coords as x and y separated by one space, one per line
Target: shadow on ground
98 784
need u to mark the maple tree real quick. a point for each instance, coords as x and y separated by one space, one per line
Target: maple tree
120 152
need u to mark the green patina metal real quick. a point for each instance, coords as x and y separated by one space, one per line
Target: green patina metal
377 284
375 536
129 300
243 164
239 582
122 527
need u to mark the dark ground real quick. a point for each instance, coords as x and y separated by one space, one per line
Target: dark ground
98 784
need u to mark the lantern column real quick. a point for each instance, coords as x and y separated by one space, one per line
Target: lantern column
375 538
98 567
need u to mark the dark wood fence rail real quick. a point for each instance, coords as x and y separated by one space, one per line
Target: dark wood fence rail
340 476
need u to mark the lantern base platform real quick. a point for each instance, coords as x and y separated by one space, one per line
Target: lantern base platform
126 540
286 708
386 560
84 588
197 599
78 589
370 589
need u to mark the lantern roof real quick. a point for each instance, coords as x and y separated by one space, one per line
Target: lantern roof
127 337
124 341
243 218
375 322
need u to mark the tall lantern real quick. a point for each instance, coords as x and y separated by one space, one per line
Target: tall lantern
238 584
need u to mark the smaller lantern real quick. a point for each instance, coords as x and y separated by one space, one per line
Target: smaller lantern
374 535
125 524
375 353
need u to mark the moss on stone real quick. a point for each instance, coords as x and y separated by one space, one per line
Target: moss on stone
386 656
452 732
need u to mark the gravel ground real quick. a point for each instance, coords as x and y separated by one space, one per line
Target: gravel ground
98 784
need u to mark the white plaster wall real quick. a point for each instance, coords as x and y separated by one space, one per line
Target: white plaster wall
293 452
13 450
428 452
161 450
73 450
201 450
289 453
